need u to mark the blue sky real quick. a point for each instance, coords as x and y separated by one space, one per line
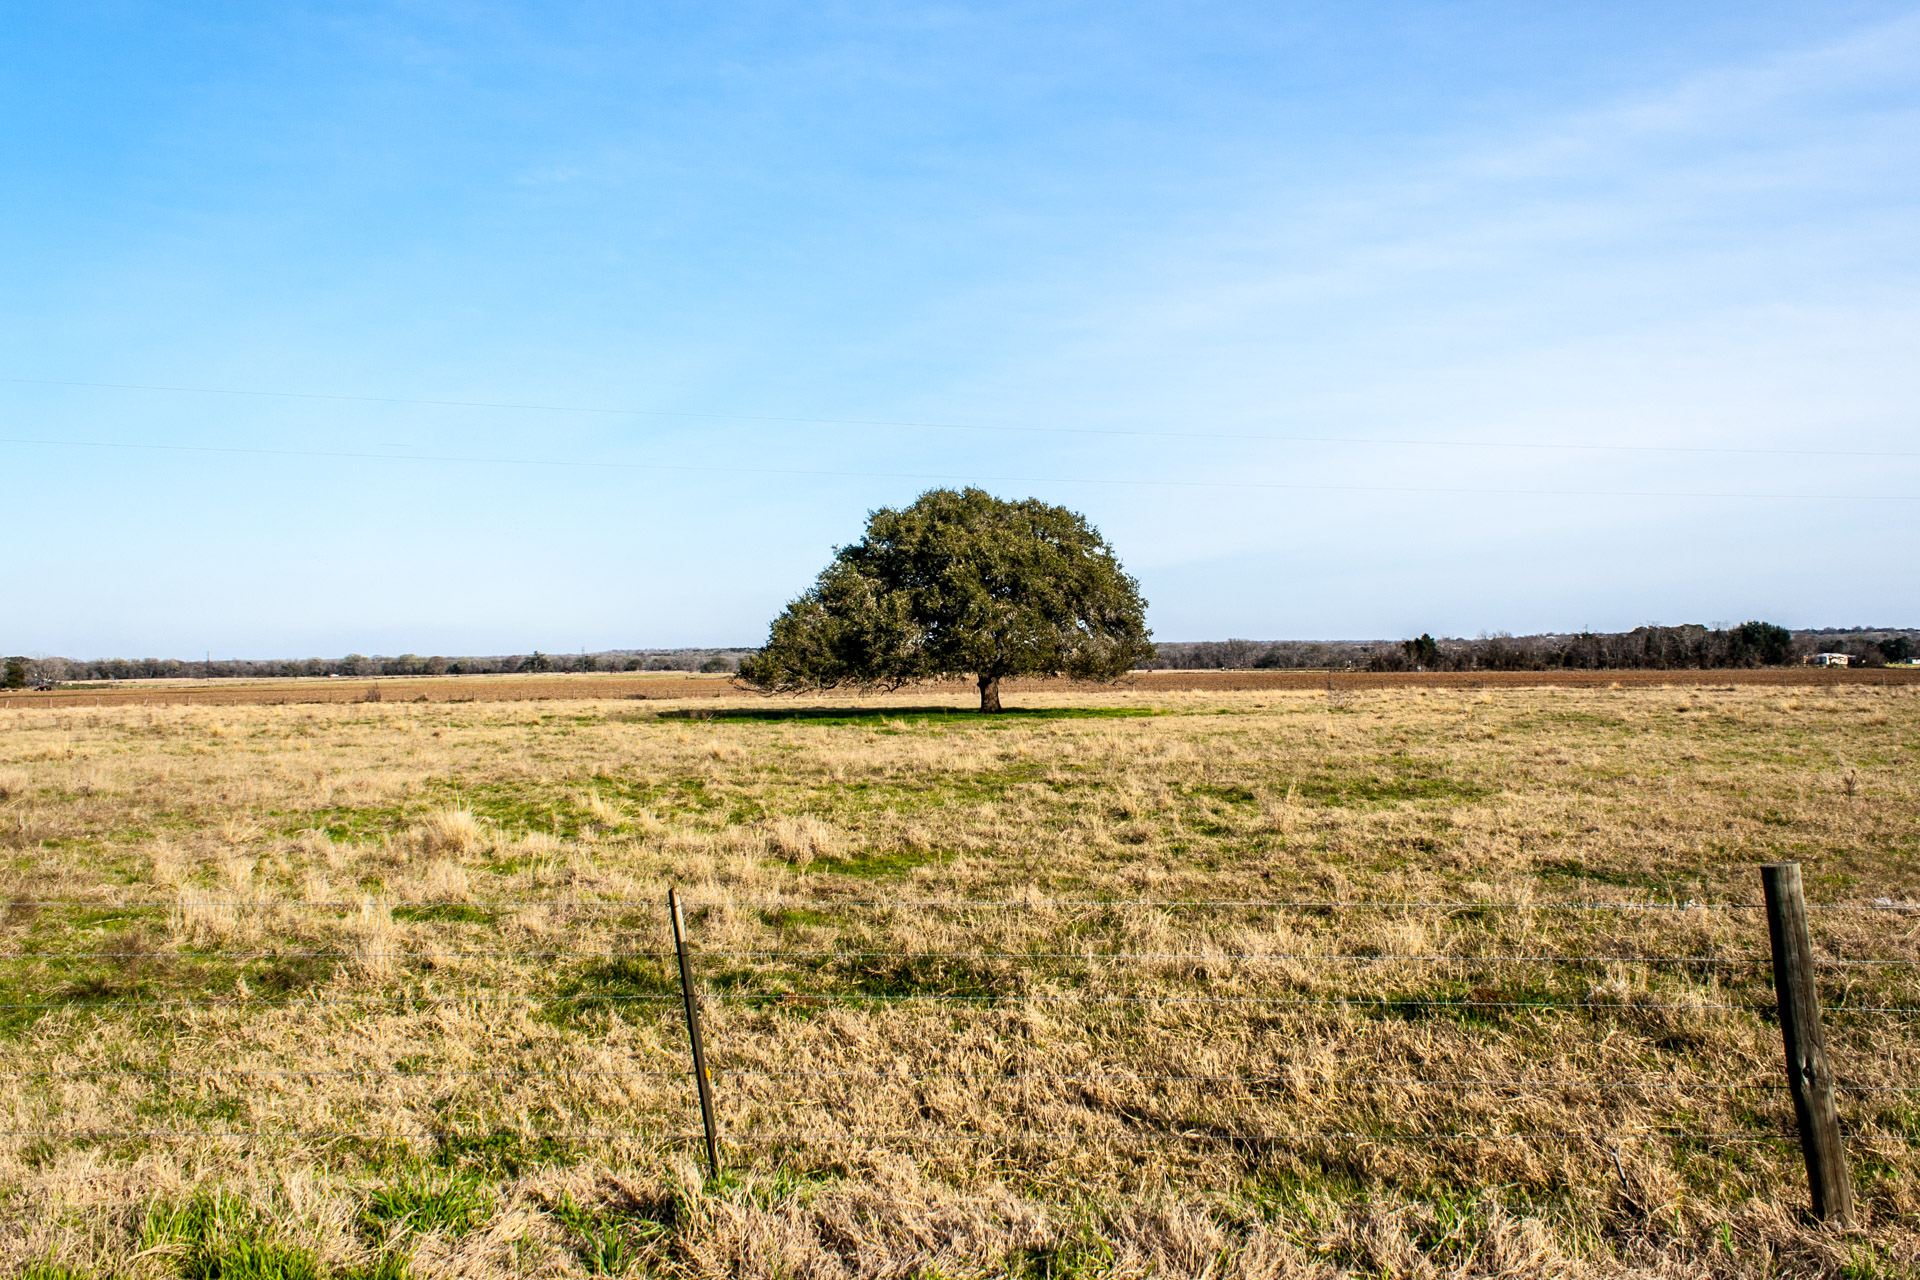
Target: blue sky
1339 321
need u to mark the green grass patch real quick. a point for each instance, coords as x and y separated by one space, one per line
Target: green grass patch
283 975
217 1237
1484 1005
881 975
1083 1255
1228 794
136 973
498 1154
51 1271
424 1201
817 982
627 982
520 809
445 913
388 1266
883 866
1389 782
344 824
795 918
1280 1194
681 796
604 1238
1652 888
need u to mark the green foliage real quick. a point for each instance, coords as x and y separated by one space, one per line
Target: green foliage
960 583
929 976
16 674
425 1201
715 665
598 1243
1760 644
51 1271
221 1238
251 1259
445 913
587 994
388 1266
1079 1257
1422 652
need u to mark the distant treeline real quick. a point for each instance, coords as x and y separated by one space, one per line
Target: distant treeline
56 670
1751 644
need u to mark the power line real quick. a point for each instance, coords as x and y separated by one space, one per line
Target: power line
951 477
918 425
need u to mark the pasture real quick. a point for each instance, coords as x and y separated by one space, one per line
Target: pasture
1416 979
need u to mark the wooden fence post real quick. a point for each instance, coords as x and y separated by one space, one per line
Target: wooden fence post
1809 1076
702 1080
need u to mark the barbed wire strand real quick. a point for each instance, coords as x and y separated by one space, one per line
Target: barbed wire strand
1036 1137
1307 904
1171 957
1302 904
815 999
279 1002
934 904
1622 1006
919 1077
1201 957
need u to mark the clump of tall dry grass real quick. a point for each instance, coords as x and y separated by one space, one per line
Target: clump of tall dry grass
452 832
800 841
373 940
445 880
202 918
165 863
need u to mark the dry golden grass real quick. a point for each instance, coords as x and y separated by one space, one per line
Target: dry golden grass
381 981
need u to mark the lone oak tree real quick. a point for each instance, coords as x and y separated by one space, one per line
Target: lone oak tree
960 583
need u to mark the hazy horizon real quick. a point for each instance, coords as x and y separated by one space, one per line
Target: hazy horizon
216 656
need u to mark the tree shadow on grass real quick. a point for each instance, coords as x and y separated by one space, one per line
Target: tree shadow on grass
937 715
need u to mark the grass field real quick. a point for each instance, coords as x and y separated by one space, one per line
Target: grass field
375 989
682 686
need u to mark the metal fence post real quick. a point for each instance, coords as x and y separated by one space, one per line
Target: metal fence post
702 1080
1808 1074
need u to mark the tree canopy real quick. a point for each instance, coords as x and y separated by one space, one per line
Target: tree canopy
960 583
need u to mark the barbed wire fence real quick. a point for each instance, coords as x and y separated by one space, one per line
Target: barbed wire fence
691 981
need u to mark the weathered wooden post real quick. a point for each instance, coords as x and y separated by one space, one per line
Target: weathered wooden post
702 1080
1809 1076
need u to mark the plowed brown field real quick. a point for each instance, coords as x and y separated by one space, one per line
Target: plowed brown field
225 693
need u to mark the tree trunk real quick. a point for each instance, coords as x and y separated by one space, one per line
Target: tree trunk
989 694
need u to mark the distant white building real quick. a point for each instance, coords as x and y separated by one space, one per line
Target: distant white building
1828 659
